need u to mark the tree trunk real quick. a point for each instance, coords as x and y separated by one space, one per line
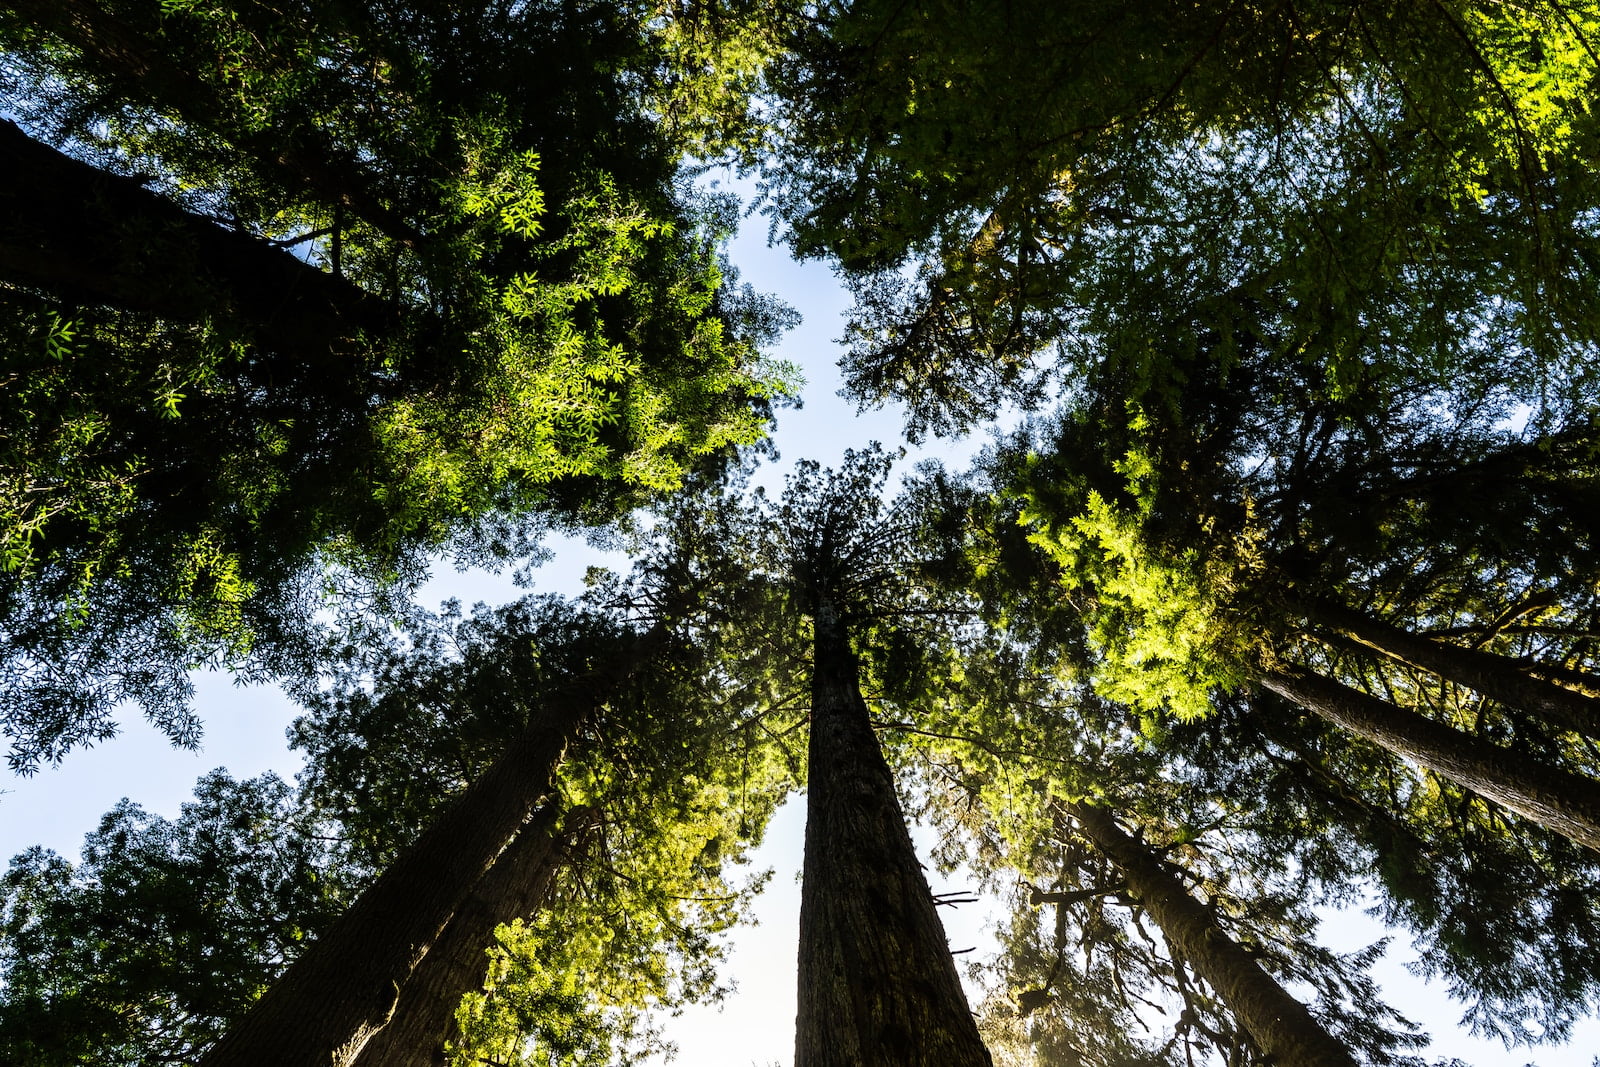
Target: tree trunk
878 986
1563 698
515 887
303 153
86 235
1557 799
1281 1025
331 1001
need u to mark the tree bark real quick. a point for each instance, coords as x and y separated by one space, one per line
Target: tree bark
1555 798
878 986
331 1001
85 235
515 887
1283 1027
304 153
1564 698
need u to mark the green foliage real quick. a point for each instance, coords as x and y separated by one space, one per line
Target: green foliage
635 929
165 931
521 317
1157 622
1372 195
1314 284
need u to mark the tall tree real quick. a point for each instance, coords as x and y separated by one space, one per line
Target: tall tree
337 996
617 884
1565 802
1165 894
877 982
516 886
1195 570
1168 622
655 796
1563 697
1498 908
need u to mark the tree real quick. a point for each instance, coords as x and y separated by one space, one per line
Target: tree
517 885
658 795
496 312
1378 188
1499 908
1565 802
340 994
1171 938
1563 697
1136 595
1176 618
877 983
166 929
1279 1023
617 883
1195 567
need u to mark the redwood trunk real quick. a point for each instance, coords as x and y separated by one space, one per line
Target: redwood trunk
1557 799
1561 697
878 986
515 887
83 234
1282 1026
334 999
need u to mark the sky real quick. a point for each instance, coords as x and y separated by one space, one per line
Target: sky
754 1028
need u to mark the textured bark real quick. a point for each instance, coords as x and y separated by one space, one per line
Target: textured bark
86 235
304 154
1564 698
878 985
515 887
331 1001
1282 1026
1555 798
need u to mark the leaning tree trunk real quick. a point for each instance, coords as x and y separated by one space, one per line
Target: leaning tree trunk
1564 698
87 235
878 986
1282 1026
331 1001
515 887
1555 798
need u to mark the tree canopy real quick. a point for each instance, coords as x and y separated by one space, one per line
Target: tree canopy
296 289
1275 590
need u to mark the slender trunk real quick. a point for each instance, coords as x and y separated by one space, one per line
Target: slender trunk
1282 1026
1557 799
878 986
515 887
303 153
83 234
1564 698
331 1001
